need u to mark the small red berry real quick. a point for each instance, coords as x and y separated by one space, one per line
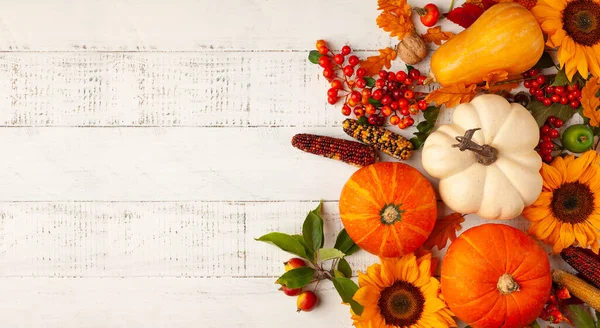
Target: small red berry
546 139
534 72
545 129
563 293
373 120
551 120
320 43
550 89
539 92
559 123
546 151
409 94
346 50
359 111
361 72
553 133
574 104
409 121
535 84
307 301
394 119
525 74
395 105
401 76
324 61
403 103
353 60
404 111
348 70
415 73
291 291
386 100
397 94
332 100
422 104
540 98
559 89
564 100
555 98
391 78
323 50
576 93
527 84
547 158
337 84
338 59
293 263
413 110
386 111
366 93
360 82
355 96
547 101
571 96
432 14
346 110
370 109
332 92
408 81
547 145
541 79
572 88
533 90
328 73
383 74
421 80
377 94
380 83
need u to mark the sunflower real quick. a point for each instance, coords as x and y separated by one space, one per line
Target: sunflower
574 26
400 292
567 211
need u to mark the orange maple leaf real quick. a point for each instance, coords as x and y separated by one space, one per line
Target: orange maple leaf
452 95
444 229
494 77
590 102
398 25
398 7
436 35
374 64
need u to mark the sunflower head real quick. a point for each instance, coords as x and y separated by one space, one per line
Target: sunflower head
574 27
568 209
400 292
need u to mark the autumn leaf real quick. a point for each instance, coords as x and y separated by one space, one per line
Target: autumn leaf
496 88
465 15
397 25
590 102
374 64
452 95
398 7
478 3
436 35
494 77
444 229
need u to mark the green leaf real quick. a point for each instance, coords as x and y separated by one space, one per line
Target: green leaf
417 142
561 79
597 318
347 288
375 102
534 324
545 61
313 56
344 243
297 278
541 112
409 68
312 229
310 255
285 242
330 253
370 82
580 317
344 267
363 120
424 128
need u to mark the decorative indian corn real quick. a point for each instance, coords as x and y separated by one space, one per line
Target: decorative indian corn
584 261
387 141
577 287
347 151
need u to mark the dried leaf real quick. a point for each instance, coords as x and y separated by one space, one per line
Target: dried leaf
465 15
452 95
478 3
374 64
398 7
590 102
397 25
444 229
436 35
496 88
525 3
494 77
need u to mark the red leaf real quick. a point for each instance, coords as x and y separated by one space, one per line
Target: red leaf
465 15
488 3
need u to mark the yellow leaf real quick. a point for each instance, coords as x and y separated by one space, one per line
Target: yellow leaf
374 64
398 7
478 3
436 35
452 95
397 25
590 102
444 229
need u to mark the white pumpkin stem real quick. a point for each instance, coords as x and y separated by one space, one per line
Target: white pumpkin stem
507 284
485 154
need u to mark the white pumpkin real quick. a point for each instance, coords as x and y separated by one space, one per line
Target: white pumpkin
504 178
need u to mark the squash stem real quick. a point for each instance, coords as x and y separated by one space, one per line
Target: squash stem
485 154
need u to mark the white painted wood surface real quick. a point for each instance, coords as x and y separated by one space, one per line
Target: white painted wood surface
147 143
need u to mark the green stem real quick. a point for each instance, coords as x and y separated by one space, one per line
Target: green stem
451 6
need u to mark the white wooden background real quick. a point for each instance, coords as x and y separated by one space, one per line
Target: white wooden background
147 143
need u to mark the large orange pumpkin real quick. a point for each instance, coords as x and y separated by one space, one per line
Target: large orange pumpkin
388 209
494 275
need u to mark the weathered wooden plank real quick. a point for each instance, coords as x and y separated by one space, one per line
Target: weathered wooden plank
239 89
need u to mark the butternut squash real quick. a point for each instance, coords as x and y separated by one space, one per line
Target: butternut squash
505 38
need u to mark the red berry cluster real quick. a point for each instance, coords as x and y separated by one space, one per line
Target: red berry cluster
548 132
391 95
548 94
551 311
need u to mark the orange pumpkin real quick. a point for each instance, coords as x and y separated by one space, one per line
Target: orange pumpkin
494 275
388 209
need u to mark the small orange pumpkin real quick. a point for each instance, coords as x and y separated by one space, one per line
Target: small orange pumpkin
388 209
494 275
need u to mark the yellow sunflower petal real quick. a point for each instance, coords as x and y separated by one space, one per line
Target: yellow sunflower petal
580 234
410 272
591 56
595 246
552 177
374 274
556 4
567 238
550 26
581 60
544 228
545 199
556 39
388 271
543 13
367 296
576 168
594 220
536 213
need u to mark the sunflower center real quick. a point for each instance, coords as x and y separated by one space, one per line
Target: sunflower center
401 304
572 203
581 21
391 213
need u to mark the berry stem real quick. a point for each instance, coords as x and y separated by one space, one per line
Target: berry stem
451 6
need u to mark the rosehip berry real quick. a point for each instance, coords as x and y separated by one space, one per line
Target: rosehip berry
527 84
547 158
293 263
377 94
409 121
563 293
337 84
351 103
328 73
559 90
403 103
324 61
545 129
332 92
555 98
353 60
338 59
348 70
361 72
359 111
404 111
394 105
408 81
431 16
355 96
346 110
365 100
391 78
373 120
346 50
332 100
401 76
380 83
413 110
386 111
547 101
422 104
386 100
559 123
564 100
307 301
549 89
323 50
360 82
534 72
366 93
383 74
553 133
320 43
415 73
409 94
397 94
394 120
541 79
421 80
401 125
291 291
370 109
574 104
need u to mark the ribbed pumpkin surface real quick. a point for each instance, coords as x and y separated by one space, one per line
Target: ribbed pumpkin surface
388 209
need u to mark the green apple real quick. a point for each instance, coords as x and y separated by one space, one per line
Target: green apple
578 138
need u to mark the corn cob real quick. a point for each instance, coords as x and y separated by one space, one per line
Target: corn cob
388 142
584 261
579 288
347 151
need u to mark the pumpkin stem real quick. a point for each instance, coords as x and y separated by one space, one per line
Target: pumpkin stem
485 154
507 284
